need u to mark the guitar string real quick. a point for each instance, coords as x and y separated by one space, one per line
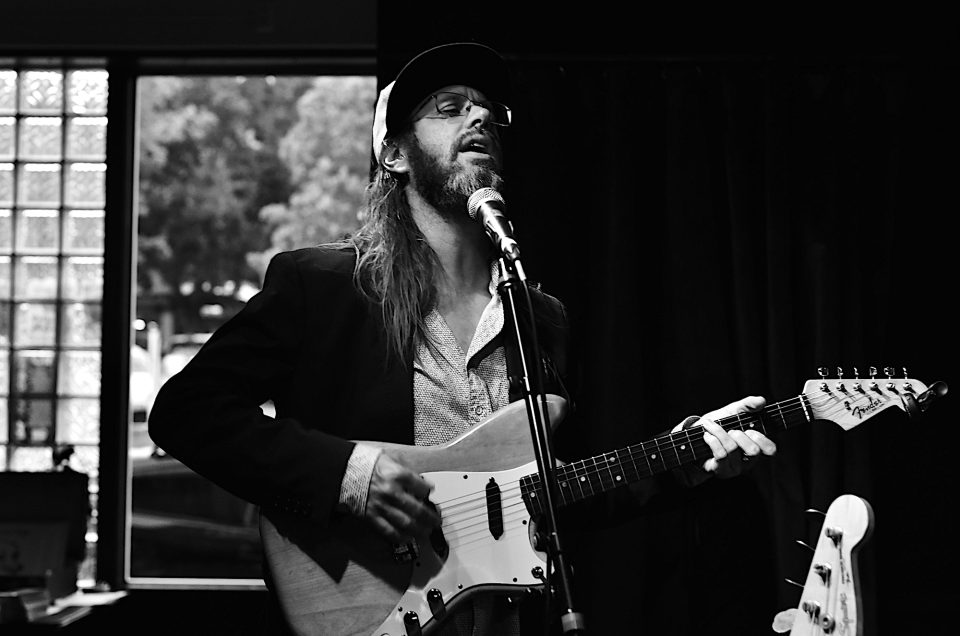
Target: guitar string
478 524
481 522
478 527
731 421
667 445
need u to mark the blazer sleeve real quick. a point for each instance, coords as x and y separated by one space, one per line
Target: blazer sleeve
209 415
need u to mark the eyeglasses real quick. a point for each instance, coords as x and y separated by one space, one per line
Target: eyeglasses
454 105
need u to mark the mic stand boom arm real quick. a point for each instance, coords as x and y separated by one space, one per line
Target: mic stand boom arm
512 276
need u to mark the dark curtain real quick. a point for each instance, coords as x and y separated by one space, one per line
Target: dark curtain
722 224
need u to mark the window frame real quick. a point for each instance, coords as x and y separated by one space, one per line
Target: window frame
119 293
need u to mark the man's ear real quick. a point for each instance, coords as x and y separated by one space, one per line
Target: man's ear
394 159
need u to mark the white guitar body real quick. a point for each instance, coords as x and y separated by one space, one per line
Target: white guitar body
348 580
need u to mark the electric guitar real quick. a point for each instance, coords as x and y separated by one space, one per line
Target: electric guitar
347 580
830 603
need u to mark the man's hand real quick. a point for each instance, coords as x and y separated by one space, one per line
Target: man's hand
733 449
397 504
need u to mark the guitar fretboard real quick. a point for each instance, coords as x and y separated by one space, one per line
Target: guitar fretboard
588 477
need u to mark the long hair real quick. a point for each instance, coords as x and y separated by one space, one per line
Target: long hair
396 268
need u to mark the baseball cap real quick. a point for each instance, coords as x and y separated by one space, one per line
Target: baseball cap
468 63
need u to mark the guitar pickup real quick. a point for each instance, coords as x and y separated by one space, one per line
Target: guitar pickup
494 509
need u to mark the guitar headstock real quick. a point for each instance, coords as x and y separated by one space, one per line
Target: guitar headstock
850 401
831 600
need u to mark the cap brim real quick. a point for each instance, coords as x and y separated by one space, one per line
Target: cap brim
467 63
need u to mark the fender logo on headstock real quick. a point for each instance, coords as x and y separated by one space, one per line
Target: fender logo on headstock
862 411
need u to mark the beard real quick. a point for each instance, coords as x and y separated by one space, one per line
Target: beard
448 186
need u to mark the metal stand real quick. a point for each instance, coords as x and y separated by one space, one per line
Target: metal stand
512 278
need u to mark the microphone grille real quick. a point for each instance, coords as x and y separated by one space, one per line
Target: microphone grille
479 197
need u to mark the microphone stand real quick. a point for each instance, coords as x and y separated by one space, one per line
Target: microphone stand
512 276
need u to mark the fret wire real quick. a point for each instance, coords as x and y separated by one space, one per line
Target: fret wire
563 478
646 458
676 450
580 483
663 460
589 482
633 464
620 471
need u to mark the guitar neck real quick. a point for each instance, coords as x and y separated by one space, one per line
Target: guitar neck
595 475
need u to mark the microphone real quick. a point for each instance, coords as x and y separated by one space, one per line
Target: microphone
486 206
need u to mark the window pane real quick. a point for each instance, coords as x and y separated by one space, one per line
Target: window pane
8 92
7 136
85 184
81 324
86 138
87 92
35 277
33 371
4 277
79 373
3 427
38 230
33 421
86 459
41 92
4 385
6 184
4 327
83 231
6 231
35 324
39 184
83 278
32 459
40 138
78 421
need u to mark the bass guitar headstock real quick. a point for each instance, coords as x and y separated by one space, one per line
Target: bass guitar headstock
831 601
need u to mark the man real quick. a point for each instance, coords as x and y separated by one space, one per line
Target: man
395 335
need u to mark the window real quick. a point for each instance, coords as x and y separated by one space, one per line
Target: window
231 169
52 172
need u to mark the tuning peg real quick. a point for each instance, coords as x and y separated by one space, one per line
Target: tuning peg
840 377
823 372
889 371
856 376
834 534
873 374
907 386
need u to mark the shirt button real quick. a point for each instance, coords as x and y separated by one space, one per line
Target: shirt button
478 410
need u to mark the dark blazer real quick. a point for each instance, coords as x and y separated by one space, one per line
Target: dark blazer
316 347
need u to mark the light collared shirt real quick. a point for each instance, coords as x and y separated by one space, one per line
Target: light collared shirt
453 390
